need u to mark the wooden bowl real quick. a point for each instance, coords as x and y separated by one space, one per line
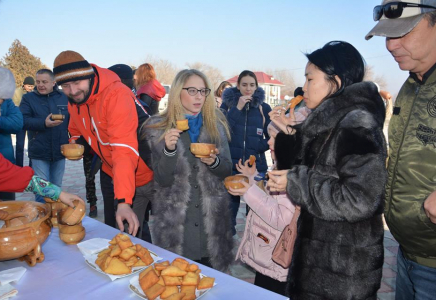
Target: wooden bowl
24 241
72 238
235 181
72 216
202 149
69 229
56 207
72 151
54 221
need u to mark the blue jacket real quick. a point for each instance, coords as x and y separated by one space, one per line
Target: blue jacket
45 143
11 121
248 130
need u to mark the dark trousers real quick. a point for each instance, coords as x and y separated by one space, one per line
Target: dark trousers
19 148
7 196
89 179
270 284
235 202
107 190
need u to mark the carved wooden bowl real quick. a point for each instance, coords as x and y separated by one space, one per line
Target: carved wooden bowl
24 241
235 181
202 149
72 151
72 238
69 229
73 215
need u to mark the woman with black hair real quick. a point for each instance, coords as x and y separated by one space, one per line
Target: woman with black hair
338 178
248 118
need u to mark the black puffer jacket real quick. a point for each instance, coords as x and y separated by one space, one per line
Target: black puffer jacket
338 179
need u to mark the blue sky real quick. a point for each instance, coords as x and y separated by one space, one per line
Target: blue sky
230 35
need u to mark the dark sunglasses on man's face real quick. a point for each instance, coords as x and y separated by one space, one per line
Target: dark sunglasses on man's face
394 10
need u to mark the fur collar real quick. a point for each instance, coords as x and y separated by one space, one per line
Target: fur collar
363 95
231 97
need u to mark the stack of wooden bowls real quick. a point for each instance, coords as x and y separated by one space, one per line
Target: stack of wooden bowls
56 207
70 226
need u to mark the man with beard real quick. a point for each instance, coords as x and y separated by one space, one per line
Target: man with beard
103 114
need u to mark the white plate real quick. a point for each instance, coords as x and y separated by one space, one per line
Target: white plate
136 288
90 260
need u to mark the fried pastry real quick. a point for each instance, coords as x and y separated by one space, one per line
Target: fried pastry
154 291
148 280
173 271
182 124
116 267
206 283
169 290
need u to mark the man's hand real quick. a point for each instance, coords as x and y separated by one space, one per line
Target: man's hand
50 123
278 180
68 199
125 212
430 207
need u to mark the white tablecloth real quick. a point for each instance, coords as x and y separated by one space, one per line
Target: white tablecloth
65 275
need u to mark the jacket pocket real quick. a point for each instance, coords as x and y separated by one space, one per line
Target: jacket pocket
262 244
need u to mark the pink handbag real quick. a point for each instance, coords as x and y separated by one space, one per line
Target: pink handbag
282 254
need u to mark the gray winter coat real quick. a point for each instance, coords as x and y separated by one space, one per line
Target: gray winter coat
191 204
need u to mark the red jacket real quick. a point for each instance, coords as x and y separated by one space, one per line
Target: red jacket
153 89
13 178
108 121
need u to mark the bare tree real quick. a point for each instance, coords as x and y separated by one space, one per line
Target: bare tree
165 70
286 77
371 76
214 74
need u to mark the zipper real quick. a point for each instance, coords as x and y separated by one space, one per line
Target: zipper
98 143
245 132
399 148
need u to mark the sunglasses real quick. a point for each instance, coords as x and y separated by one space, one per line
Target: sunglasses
193 91
394 10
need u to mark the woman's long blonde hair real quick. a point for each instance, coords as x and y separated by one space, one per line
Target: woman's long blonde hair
175 110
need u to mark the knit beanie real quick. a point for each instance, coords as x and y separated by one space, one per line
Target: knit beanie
71 66
7 83
29 80
123 71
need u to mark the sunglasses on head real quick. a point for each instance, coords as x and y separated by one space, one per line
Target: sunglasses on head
394 10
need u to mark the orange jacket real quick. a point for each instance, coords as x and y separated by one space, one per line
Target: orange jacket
108 121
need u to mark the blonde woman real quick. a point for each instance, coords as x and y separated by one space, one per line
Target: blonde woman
192 216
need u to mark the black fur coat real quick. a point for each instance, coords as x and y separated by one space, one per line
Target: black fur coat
338 178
